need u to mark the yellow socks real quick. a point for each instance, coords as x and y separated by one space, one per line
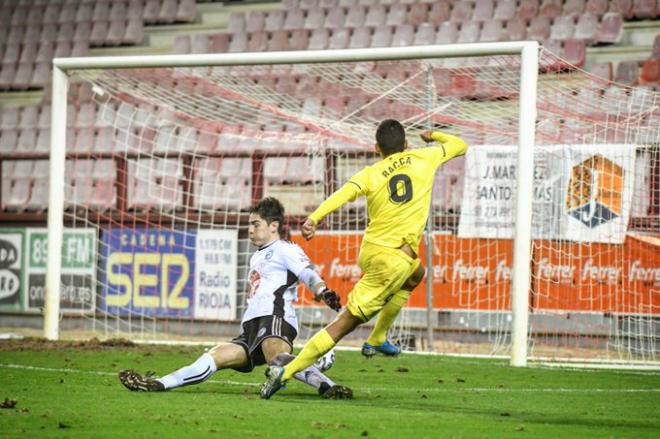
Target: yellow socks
314 349
386 318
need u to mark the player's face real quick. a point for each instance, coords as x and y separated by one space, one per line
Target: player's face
260 232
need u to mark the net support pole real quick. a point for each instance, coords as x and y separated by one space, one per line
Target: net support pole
520 282
430 91
55 203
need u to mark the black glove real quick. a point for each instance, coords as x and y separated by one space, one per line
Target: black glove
331 299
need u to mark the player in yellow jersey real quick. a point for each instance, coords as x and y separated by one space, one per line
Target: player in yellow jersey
398 190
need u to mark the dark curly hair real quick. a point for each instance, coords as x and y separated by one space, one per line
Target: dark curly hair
271 210
390 137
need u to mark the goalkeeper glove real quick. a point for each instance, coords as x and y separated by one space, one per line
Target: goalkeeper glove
330 298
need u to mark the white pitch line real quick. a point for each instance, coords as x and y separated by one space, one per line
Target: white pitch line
369 389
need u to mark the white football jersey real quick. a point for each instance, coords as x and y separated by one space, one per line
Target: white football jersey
273 280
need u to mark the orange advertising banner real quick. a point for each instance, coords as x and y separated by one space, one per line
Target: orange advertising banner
475 274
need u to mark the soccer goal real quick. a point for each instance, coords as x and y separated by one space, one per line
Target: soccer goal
543 239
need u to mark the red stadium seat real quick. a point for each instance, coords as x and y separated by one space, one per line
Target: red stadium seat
627 72
425 35
516 29
236 22
7 74
44 117
99 33
418 14
376 16
48 33
528 9
294 20
84 140
539 29
469 32
650 72
315 18
440 12
167 12
28 117
38 201
397 15
551 8
115 34
151 11
611 28
339 39
258 42
134 32
68 14
181 44
602 70
218 43
18 195
8 140
279 41
562 28
382 37
12 53
118 11
355 16
16 35
645 9
461 12
256 21
505 10
239 43
404 35
319 39
575 52
447 33
493 31
587 27
52 13
336 18
361 38
624 7
83 31
598 7
299 39
574 7
483 10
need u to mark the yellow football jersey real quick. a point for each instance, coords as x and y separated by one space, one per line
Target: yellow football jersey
398 190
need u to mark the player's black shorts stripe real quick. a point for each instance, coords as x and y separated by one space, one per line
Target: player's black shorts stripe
197 376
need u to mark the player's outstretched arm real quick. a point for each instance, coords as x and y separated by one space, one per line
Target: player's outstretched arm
453 145
348 192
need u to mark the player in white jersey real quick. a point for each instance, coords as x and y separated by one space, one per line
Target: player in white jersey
269 323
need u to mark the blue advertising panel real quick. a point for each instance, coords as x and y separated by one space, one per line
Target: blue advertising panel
148 272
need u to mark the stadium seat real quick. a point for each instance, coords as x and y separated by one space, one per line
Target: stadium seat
382 37
645 9
397 15
483 10
10 117
294 20
447 33
8 140
167 11
355 17
48 33
12 53
256 21
115 35
602 70
83 31
315 18
551 8
539 28
27 140
597 7
573 7
318 40
279 40
505 10
650 72
586 27
18 195
99 33
627 72
258 42
376 16
23 77
655 51
624 7
181 44
339 39
16 34
418 14
336 18
102 11
469 32
218 43
239 43
28 117
52 13
274 20
186 11
151 11
299 39
425 35
528 9
440 12
28 53
84 140
134 32
104 141
611 28
461 12
236 22
493 31
7 74
562 28
38 201
404 35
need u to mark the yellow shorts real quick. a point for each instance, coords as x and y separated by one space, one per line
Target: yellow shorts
384 271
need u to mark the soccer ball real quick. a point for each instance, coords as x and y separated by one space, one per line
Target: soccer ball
326 362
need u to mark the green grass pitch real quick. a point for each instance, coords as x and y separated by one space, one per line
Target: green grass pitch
64 390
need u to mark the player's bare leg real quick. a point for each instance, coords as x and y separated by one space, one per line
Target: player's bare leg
377 341
222 356
278 353
318 345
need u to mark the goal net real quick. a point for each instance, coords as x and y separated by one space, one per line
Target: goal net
164 163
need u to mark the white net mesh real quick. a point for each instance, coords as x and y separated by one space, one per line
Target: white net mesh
167 162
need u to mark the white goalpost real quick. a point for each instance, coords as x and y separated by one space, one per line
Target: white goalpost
162 156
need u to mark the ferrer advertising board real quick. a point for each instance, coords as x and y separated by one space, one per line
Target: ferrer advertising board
169 273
